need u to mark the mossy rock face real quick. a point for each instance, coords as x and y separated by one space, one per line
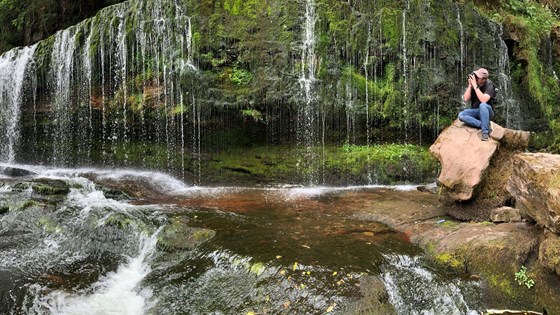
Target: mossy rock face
50 187
494 253
549 251
179 235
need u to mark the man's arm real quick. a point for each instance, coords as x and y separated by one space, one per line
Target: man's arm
472 83
483 97
467 94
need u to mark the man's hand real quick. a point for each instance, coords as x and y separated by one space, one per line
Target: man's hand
472 80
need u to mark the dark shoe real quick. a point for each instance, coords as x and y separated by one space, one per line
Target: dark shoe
485 137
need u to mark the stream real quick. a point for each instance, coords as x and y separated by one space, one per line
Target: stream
110 241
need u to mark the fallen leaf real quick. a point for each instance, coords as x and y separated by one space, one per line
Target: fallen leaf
286 304
330 308
334 273
295 266
306 246
278 256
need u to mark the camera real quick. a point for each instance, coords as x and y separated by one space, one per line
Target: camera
472 74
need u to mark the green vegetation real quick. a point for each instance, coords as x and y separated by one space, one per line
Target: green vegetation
523 279
23 22
531 24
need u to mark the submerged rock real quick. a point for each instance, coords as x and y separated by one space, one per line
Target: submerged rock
375 299
535 184
179 235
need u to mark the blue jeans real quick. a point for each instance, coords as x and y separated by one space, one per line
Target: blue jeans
478 117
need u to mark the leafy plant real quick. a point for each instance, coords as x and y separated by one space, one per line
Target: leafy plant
523 279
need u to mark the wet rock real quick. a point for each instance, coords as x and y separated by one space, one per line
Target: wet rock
15 172
549 251
432 189
535 184
179 235
115 194
505 214
47 186
375 299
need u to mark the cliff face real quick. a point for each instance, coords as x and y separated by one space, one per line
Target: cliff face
192 75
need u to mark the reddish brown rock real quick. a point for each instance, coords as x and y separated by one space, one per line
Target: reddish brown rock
535 184
474 173
464 159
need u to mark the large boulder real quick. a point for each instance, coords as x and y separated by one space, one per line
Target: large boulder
474 173
464 158
535 184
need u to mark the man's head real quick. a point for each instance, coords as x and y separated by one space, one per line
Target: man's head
481 73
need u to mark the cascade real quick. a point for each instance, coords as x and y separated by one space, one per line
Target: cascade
14 66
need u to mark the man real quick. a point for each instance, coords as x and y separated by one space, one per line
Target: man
480 92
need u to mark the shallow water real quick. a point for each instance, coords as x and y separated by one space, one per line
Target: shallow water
166 248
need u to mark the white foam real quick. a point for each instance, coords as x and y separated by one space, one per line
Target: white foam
117 292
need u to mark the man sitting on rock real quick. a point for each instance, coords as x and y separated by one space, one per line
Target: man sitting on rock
481 93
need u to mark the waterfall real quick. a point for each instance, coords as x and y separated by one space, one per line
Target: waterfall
308 113
100 79
461 39
405 69
61 76
505 97
13 70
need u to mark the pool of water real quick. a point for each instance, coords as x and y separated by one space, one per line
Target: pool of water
175 249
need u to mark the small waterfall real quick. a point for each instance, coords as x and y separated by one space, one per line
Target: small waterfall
62 74
308 113
405 69
13 71
461 40
415 290
506 99
117 292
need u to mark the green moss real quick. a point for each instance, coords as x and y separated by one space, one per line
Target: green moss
449 260
503 284
531 24
45 189
449 224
